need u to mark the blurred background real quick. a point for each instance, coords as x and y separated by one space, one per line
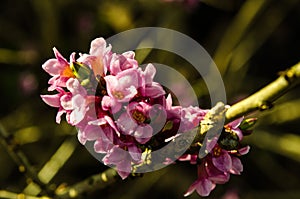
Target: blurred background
249 40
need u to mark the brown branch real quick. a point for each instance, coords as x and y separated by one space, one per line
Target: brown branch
264 98
10 144
90 184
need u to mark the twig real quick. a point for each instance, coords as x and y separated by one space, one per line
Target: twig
9 143
50 169
92 183
10 195
264 98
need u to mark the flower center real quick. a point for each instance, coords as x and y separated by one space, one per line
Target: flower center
217 151
67 72
118 94
138 116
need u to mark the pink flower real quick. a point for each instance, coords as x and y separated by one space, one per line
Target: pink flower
191 117
134 122
233 126
148 88
215 168
73 103
98 56
79 102
122 159
55 101
60 69
203 185
119 63
123 86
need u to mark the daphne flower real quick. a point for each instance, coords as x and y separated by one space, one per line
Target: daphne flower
97 57
134 122
215 168
233 126
74 103
60 69
57 101
191 117
119 63
149 88
123 86
203 185
122 159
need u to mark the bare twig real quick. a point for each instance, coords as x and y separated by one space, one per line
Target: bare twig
10 195
92 183
264 98
9 143
50 169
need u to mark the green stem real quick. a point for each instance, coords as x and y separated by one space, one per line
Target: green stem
10 144
264 98
90 184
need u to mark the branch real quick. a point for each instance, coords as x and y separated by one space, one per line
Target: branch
11 195
10 144
260 100
90 184
264 98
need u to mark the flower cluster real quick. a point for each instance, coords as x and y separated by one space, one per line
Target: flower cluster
118 107
222 160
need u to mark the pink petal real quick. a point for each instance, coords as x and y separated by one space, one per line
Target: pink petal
62 61
66 102
115 156
222 162
239 133
155 90
53 67
149 74
109 103
52 100
101 146
92 132
135 152
143 134
128 78
81 138
169 102
126 124
124 169
57 82
204 187
237 166
74 86
244 150
98 47
60 112
97 122
234 124
192 188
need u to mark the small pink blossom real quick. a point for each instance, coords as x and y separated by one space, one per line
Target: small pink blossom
134 122
233 126
73 103
191 117
121 62
123 86
98 56
122 159
59 69
149 88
